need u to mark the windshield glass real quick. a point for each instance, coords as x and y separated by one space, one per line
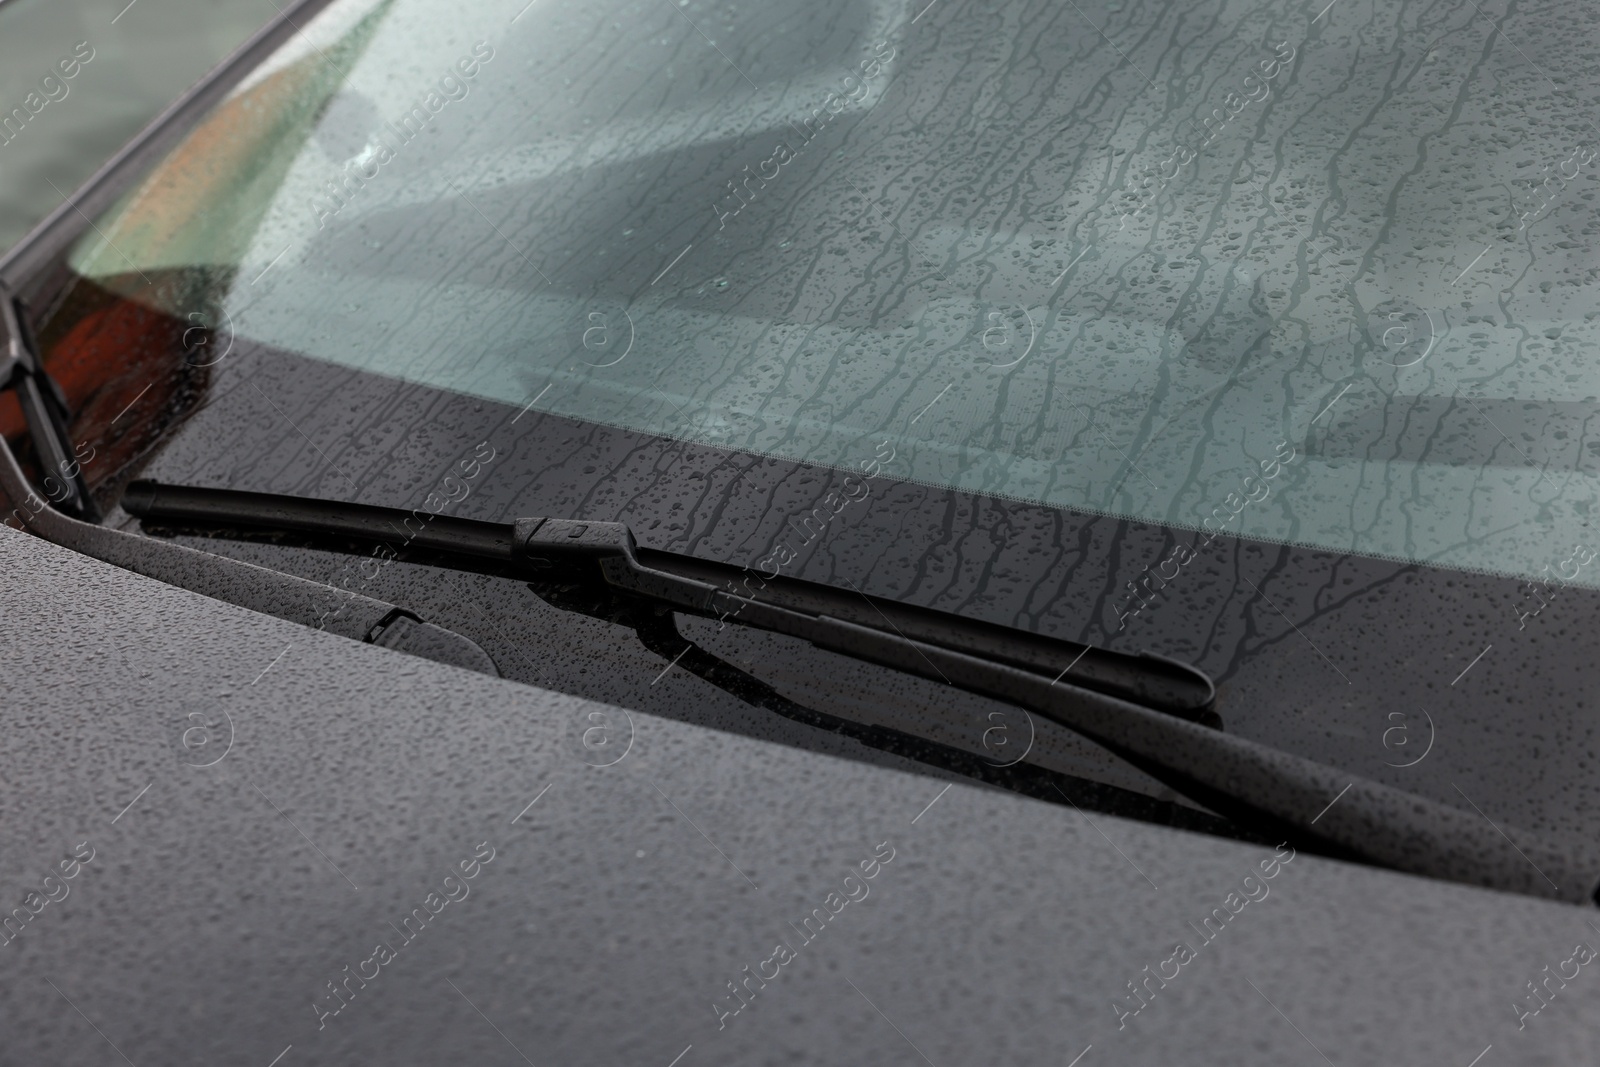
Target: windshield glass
1321 279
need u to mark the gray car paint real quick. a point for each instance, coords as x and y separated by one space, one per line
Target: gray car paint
609 923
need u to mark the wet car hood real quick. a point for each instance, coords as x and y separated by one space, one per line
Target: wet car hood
250 811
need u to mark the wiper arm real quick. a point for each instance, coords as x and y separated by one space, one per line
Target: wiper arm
45 411
658 632
1147 721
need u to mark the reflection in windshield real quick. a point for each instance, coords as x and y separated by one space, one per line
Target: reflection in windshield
1116 280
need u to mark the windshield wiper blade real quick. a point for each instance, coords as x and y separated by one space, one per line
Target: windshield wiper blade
1254 784
571 550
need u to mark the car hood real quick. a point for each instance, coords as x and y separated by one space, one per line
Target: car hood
267 809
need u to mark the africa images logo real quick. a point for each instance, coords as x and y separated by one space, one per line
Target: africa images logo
742 994
855 90
55 890
1252 890
51 89
384 145
454 890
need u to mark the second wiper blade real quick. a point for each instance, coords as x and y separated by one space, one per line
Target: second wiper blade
543 549
1254 784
